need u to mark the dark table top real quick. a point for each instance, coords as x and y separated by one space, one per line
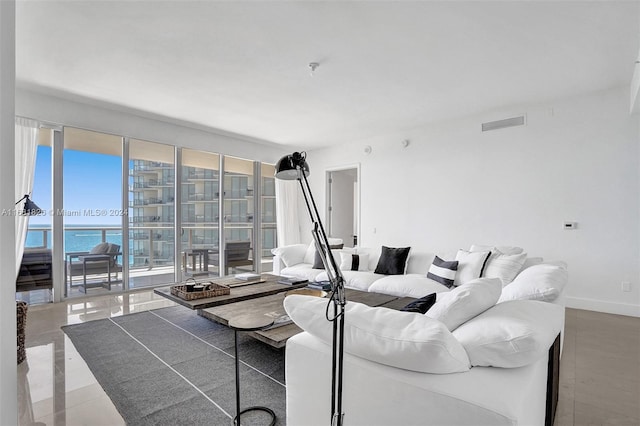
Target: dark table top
251 291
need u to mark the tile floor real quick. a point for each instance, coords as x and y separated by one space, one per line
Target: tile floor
599 379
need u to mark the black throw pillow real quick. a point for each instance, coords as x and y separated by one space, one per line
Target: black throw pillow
421 305
317 262
393 261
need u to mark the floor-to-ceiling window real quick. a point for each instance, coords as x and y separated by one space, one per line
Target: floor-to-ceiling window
200 212
238 214
92 211
99 208
268 223
151 213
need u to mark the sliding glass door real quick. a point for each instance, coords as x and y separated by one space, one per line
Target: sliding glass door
92 211
200 213
151 213
238 214
268 213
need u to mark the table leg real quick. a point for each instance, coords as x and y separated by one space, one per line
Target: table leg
237 418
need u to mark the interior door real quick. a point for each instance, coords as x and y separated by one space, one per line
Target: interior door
343 206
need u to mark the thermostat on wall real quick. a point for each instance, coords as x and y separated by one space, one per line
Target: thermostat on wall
570 225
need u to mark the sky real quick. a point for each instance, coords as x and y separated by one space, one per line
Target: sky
91 182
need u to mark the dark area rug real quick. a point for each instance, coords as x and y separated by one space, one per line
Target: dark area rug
171 367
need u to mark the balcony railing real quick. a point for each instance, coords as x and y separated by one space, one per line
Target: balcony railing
148 246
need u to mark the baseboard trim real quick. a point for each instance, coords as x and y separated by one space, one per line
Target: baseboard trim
606 307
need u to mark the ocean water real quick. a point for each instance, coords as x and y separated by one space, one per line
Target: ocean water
76 238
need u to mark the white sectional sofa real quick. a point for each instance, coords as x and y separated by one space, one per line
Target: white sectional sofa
497 365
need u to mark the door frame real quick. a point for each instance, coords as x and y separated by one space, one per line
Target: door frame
327 212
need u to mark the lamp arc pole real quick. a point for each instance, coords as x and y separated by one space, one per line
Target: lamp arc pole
292 167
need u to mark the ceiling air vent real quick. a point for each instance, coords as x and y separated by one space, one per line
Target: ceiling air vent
501 124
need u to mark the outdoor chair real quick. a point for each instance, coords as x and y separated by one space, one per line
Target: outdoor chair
236 254
102 259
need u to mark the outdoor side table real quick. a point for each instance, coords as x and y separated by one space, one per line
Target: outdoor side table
248 323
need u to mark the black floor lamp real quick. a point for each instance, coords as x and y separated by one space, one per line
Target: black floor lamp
292 167
30 208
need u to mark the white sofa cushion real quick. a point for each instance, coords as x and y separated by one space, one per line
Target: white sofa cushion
404 340
359 280
409 285
292 254
511 334
470 265
539 282
504 266
302 270
465 302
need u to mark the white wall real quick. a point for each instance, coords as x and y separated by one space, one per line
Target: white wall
575 160
8 371
57 110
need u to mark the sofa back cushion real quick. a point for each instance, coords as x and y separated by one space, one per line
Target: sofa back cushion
465 302
310 255
511 334
292 254
539 282
405 340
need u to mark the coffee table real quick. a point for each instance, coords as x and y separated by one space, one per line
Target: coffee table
272 307
269 287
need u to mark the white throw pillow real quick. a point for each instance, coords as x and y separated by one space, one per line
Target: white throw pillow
539 282
465 302
354 262
504 266
511 334
290 255
405 340
470 265
503 249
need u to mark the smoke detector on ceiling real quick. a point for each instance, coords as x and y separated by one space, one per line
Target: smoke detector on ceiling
312 68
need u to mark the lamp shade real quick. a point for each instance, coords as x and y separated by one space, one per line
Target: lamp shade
290 166
30 208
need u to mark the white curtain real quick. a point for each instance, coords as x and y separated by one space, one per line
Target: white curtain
26 145
287 193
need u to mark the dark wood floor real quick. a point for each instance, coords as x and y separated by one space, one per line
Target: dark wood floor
599 370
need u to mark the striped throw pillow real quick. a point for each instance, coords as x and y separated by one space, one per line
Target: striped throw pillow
443 271
354 262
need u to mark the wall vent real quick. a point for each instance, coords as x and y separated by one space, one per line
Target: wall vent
501 124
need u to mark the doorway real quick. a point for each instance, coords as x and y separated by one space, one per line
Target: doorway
343 204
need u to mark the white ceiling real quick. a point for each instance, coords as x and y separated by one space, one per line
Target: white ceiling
242 66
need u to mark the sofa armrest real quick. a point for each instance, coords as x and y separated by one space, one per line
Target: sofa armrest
278 264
